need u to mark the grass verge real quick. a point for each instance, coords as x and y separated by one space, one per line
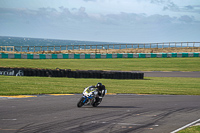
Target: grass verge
11 85
125 64
193 129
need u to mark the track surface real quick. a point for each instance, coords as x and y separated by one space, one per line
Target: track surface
116 114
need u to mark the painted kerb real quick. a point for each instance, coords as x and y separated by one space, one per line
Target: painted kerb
97 56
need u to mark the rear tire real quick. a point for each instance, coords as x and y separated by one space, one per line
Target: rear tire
97 102
80 102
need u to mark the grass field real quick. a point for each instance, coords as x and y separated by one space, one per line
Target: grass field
123 64
11 85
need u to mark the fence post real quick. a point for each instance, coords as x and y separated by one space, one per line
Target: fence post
113 46
54 48
181 45
169 44
13 48
138 46
150 45
21 48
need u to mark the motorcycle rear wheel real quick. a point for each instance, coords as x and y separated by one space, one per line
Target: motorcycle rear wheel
97 102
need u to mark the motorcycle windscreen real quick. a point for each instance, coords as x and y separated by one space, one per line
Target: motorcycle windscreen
89 90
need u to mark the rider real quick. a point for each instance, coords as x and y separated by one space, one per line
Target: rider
101 91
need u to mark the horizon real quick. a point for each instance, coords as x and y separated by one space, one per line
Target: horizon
102 41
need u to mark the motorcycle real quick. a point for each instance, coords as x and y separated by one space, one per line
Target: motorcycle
90 97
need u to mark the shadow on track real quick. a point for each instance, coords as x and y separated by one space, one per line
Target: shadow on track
117 107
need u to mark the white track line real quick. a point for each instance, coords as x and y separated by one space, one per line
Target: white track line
185 126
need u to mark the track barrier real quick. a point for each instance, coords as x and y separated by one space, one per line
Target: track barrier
70 74
97 56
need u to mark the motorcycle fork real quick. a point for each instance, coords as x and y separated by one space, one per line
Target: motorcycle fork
85 99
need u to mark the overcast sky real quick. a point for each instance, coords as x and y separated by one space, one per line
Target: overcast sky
128 21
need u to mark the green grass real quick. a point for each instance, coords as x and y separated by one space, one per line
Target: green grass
193 129
125 64
11 85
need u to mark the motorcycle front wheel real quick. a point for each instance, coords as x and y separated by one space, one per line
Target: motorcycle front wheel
80 102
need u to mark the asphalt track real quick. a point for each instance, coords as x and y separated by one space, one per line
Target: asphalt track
116 114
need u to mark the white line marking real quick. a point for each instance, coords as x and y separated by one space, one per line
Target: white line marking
128 124
9 119
185 126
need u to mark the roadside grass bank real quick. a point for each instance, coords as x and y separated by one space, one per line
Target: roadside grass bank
193 129
125 64
11 85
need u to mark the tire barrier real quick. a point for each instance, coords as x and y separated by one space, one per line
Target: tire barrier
11 72
70 74
97 56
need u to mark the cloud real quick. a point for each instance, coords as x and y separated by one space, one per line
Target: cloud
171 6
186 19
79 23
192 8
80 15
89 0
158 1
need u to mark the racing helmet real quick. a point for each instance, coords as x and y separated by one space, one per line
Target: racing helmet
98 85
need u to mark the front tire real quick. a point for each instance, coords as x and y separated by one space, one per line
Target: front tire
80 102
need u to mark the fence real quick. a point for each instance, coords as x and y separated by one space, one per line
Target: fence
102 46
97 56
